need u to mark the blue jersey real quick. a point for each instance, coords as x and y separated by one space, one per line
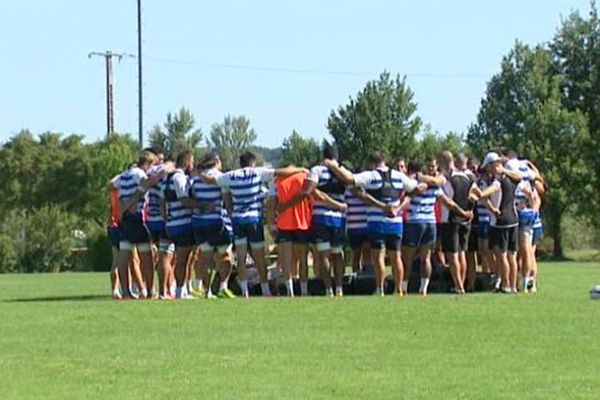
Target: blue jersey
387 191
175 187
247 190
523 203
207 193
422 206
483 212
356 216
329 184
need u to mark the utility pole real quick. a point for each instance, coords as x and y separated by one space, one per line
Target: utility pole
139 56
108 56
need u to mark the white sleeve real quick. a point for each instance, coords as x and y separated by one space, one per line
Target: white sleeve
266 174
141 177
116 184
223 180
313 176
181 186
364 178
272 189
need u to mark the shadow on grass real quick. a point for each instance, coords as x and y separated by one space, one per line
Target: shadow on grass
60 298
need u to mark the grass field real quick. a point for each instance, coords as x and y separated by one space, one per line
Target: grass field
61 337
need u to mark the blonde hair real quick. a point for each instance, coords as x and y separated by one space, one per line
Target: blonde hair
147 157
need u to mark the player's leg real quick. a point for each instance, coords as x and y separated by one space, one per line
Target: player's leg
451 253
513 248
411 240
393 245
256 240
337 255
165 268
378 259
286 249
427 243
301 254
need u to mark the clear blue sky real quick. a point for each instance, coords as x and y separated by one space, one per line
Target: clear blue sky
448 49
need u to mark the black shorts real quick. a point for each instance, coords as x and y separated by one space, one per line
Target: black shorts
330 235
248 234
214 236
419 235
455 237
391 242
133 229
181 238
294 236
504 239
357 240
473 240
114 237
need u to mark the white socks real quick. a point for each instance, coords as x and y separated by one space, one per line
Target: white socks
223 285
424 285
289 284
304 288
405 286
266 291
244 287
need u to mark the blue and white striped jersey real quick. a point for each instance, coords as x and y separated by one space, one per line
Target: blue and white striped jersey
322 213
247 191
173 188
521 166
129 183
373 181
207 193
537 224
356 216
155 220
422 206
522 202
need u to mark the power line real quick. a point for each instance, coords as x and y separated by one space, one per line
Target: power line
310 71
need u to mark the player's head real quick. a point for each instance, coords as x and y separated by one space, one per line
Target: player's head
473 164
376 159
185 161
211 160
446 160
401 165
160 153
247 159
330 152
431 166
147 160
461 161
414 167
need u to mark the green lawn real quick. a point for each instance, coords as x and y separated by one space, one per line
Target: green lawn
62 338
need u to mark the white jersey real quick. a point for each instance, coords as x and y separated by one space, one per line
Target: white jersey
207 193
175 187
334 188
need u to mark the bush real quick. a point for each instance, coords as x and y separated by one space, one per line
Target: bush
99 254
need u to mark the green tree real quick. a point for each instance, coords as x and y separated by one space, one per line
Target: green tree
576 52
230 138
300 151
178 133
523 110
381 118
431 144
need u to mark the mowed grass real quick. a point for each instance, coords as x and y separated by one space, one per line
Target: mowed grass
62 338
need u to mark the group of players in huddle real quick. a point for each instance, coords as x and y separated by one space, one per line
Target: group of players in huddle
182 219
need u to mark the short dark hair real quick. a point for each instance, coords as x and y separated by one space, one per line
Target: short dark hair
247 158
330 152
183 158
414 166
209 160
376 158
157 150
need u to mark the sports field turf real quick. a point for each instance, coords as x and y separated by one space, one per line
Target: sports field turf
62 338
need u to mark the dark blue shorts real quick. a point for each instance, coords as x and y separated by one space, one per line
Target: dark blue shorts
357 240
483 231
294 236
214 236
391 242
114 236
248 233
133 229
181 238
157 231
328 234
538 233
419 234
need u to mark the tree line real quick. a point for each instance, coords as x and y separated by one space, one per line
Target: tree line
543 102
